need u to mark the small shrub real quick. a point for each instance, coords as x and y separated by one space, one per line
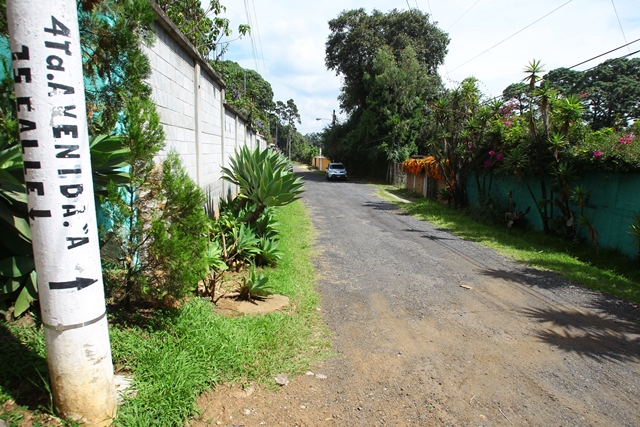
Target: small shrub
255 286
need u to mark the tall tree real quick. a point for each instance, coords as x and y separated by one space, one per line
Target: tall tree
613 93
356 37
242 82
289 114
458 126
397 92
517 92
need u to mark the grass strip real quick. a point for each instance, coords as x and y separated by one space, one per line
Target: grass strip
606 271
187 351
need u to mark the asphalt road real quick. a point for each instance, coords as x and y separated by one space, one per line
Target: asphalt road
431 330
521 347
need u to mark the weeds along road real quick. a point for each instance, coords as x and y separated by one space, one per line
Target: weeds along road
417 347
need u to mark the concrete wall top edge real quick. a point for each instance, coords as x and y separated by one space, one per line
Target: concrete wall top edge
170 27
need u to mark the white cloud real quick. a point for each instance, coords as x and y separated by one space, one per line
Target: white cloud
293 35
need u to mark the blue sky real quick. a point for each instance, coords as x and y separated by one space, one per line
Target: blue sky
292 36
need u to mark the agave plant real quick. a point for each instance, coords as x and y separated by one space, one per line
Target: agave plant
108 161
266 226
17 275
245 243
264 180
18 283
217 267
269 252
255 286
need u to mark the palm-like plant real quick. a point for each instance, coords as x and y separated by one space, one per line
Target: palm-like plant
545 97
557 143
567 111
533 71
594 236
264 180
580 195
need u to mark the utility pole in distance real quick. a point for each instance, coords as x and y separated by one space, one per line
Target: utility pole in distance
47 67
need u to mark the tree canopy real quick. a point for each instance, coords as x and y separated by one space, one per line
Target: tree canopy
248 92
204 28
356 37
610 91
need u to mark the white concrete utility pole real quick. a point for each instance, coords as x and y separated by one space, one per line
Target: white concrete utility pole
47 66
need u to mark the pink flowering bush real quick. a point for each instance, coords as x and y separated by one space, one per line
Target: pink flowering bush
626 140
493 158
606 150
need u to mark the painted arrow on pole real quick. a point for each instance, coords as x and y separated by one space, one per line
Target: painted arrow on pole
33 214
79 283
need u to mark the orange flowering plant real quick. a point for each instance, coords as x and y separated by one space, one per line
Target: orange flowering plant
427 165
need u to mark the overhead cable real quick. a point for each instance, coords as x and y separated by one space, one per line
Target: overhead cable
512 35
619 23
472 6
620 57
264 70
603 54
253 42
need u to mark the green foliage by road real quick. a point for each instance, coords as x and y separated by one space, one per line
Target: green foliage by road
204 28
610 91
177 354
388 64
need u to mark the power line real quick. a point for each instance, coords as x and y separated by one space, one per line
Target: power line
264 71
512 35
253 42
619 23
603 54
620 57
430 11
463 15
629 54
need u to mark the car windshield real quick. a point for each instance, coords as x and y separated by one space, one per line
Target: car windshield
337 166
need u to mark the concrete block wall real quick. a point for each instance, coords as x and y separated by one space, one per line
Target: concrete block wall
197 122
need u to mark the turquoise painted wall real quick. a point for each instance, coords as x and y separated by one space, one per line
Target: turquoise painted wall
615 197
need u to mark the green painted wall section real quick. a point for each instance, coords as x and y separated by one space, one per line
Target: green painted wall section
614 198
